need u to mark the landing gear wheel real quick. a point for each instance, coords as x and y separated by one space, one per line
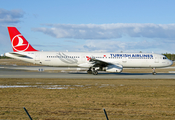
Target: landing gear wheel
154 73
89 71
95 72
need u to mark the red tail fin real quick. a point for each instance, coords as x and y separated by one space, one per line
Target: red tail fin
19 43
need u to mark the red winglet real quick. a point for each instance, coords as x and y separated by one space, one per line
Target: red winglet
88 58
19 43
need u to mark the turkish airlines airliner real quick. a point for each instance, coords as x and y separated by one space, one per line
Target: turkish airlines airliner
94 62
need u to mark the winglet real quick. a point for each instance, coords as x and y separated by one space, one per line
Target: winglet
88 58
19 43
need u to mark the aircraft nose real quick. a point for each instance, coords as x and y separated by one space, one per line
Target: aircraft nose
171 62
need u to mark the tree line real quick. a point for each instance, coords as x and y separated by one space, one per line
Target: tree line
4 57
169 56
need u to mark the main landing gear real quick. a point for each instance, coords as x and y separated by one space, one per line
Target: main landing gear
154 72
89 71
93 71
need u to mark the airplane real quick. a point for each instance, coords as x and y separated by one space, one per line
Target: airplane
94 62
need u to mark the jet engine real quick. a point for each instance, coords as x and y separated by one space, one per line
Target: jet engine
114 68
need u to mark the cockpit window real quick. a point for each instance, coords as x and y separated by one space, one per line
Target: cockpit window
165 58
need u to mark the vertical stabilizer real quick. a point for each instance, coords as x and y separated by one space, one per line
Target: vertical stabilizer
19 43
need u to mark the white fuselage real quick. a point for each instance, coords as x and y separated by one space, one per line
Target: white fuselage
79 59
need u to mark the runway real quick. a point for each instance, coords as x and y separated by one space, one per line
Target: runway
16 73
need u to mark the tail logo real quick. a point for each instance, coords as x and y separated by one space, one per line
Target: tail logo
19 43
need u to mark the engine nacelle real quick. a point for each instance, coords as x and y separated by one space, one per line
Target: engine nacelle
114 68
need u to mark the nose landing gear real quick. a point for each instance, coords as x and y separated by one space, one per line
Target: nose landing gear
154 72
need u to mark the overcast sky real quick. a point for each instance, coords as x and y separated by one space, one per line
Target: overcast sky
91 25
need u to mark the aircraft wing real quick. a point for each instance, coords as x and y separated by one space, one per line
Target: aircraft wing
110 67
99 63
